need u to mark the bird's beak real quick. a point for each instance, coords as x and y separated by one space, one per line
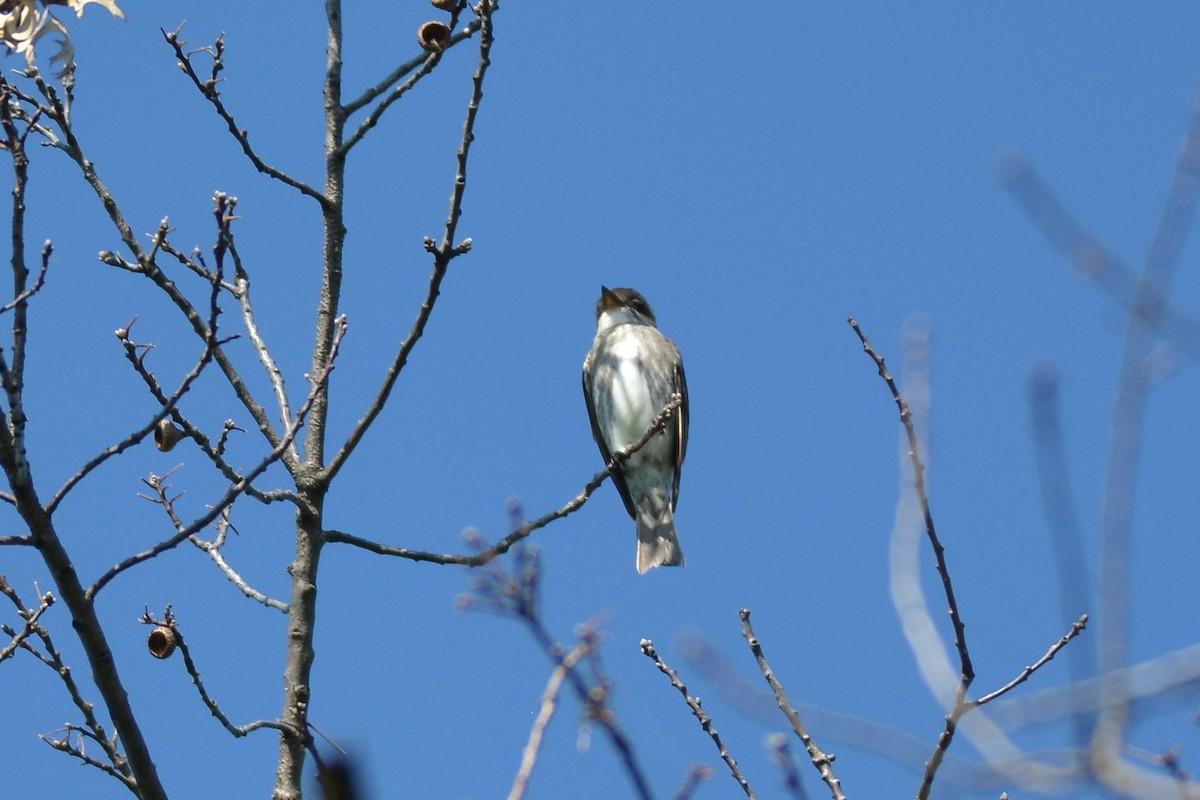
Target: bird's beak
607 298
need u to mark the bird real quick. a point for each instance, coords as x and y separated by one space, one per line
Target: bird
631 373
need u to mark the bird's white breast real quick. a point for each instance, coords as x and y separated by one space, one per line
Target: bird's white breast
633 409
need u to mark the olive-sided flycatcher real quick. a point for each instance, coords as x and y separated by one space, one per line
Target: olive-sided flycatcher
628 377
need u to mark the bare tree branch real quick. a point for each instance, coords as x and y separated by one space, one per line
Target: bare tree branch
962 706
208 88
14 377
213 549
189 664
537 732
504 545
960 632
232 493
211 343
700 714
443 253
145 265
15 463
781 754
1076 629
118 766
404 69
821 760
423 65
31 618
515 593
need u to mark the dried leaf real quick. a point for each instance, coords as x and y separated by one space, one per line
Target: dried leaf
78 5
65 55
19 25
23 23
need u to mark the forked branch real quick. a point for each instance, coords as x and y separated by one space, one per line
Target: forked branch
208 87
237 489
443 252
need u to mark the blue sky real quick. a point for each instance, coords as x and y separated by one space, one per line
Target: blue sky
760 173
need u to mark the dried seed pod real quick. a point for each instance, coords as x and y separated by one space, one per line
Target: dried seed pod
445 5
433 36
166 434
162 641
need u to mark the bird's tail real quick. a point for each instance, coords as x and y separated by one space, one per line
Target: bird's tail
658 545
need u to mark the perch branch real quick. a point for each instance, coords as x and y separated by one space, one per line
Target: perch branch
505 544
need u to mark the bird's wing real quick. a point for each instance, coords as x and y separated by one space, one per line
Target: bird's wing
681 428
617 474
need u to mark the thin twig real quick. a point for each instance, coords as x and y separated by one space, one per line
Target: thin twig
254 594
1076 629
443 253
274 374
189 664
959 705
208 88
213 549
821 760
960 633
515 593
537 732
135 354
211 343
423 65
697 775
945 738
64 745
38 283
118 766
234 491
31 624
700 714
398 74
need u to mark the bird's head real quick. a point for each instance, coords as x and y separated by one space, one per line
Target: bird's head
620 306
